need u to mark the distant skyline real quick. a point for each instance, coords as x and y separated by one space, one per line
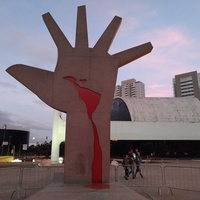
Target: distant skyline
130 88
171 26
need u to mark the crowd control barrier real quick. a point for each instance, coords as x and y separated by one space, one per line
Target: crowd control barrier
152 176
182 177
9 180
18 180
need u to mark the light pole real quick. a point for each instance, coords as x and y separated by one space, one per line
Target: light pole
4 134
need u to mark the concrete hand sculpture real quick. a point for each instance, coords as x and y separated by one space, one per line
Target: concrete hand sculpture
82 86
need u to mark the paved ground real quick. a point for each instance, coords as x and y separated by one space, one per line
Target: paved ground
116 191
147 193
152 194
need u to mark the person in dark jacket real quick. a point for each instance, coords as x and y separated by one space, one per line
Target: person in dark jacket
125 164
138 162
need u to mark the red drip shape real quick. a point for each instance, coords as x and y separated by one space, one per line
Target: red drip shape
91 99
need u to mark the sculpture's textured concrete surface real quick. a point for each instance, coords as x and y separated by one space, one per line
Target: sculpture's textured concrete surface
82 85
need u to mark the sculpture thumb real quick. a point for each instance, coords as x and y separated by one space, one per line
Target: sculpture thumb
39 81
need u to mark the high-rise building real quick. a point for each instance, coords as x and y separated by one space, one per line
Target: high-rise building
118 91
187 84
130 88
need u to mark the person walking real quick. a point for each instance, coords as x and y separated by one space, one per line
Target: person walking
138 162
125 164
131 162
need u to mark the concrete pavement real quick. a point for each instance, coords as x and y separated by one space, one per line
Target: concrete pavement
60 191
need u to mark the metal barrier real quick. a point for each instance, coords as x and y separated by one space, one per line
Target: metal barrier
38 177
152 177
9 180
21 179
182 177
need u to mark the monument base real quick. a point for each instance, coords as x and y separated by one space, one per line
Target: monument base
112 191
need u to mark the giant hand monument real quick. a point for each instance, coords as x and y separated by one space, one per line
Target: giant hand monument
82 86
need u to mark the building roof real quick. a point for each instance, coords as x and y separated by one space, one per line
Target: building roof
159 109
13 127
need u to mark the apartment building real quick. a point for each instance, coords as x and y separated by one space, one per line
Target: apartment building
130 88
187 84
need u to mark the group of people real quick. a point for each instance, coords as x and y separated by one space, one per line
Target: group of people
131 160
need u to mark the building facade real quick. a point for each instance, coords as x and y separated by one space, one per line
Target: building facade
187 84
130 88
13 139
165 126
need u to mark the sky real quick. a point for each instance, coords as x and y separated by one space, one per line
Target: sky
173 28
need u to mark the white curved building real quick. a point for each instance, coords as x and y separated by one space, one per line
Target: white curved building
155 119
159 124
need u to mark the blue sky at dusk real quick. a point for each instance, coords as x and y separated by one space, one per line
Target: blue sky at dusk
173 28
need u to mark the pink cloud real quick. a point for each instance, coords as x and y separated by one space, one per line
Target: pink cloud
159 90
169 37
